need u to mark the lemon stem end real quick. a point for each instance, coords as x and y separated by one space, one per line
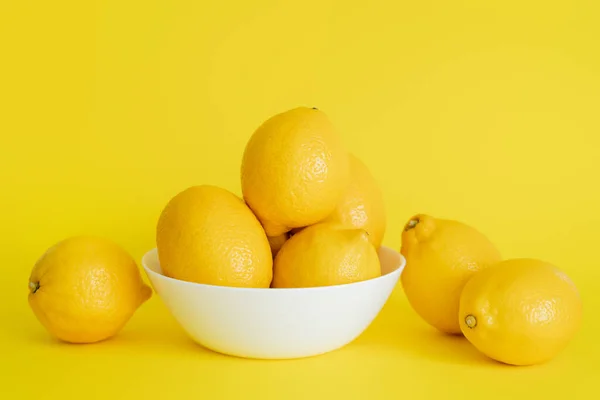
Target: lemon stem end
471 321
411 224
34 286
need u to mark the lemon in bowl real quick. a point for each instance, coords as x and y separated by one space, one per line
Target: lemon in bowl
275 323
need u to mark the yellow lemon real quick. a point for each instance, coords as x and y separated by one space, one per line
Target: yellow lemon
84 289
323 255
441 255
361 205
206 234
520 311
294 170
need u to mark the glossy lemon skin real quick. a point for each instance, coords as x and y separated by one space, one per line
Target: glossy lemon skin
520 311
441 255
84 289
207 234
324 255
294 170
362 205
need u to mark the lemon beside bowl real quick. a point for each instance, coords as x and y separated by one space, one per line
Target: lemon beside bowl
275 323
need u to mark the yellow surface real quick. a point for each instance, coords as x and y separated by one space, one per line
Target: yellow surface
482 111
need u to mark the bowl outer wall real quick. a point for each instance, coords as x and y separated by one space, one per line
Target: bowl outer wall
275 323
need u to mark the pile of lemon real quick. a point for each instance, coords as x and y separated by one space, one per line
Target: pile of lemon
311 214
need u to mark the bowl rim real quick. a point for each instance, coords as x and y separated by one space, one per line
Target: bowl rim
397 271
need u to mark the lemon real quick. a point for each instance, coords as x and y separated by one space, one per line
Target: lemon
520 311
441 255
361 205
325 254
207 234
294 170
84 289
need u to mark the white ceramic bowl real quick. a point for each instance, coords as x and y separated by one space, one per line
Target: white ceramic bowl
275 323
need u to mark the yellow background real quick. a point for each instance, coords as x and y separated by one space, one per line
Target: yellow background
481 111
